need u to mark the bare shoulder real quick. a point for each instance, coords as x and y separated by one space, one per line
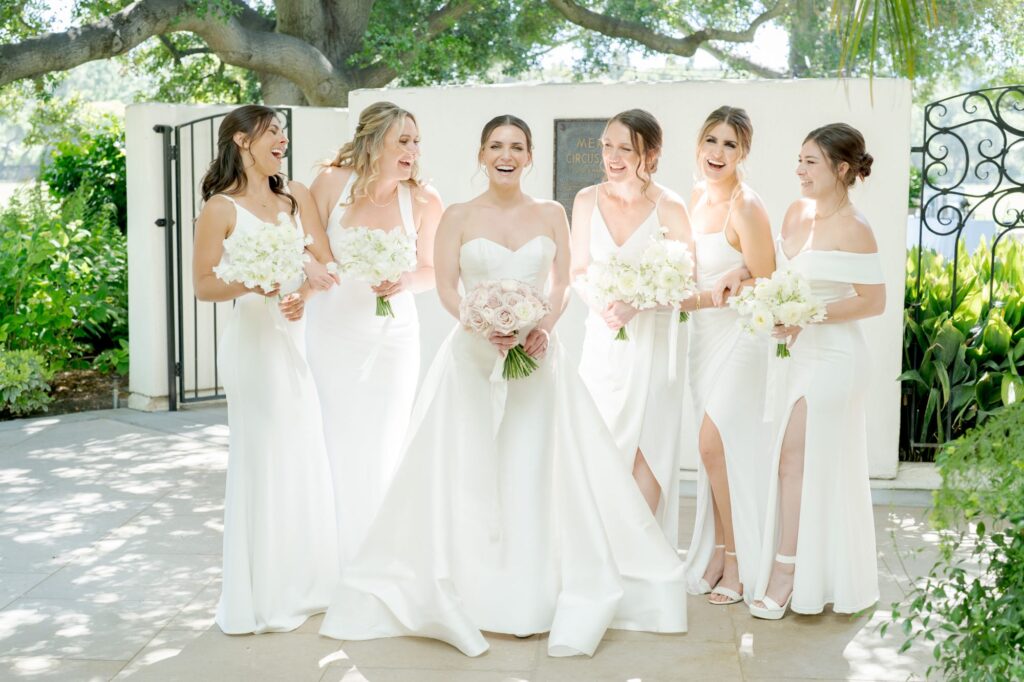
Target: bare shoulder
856 235
797 212
298 190
749 208
552 211
218 209
427 194
586 196
331 178
671 202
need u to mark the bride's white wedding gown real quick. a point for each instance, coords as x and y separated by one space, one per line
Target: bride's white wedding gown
512 510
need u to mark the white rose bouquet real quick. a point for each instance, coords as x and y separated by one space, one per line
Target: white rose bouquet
265 254
374 256
785 298
506 307
661 276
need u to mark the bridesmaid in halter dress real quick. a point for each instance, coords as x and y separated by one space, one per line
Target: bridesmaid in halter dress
366 367
732 234
638 384
820 528
280 557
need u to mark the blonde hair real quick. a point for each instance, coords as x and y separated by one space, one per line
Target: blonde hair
362 153
735 118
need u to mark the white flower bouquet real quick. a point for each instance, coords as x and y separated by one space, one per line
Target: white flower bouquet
265 255
785 298
506 307
661 276
374 256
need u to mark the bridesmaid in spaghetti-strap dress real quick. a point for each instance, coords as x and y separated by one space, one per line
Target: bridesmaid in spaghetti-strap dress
638 385
727 368
367 366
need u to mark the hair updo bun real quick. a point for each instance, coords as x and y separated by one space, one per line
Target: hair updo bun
842 143
865 165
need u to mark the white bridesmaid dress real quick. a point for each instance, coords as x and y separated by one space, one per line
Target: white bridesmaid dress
639 385
366 369
280 557
727 379
829 369
512 510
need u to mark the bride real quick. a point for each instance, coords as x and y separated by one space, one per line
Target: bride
511 510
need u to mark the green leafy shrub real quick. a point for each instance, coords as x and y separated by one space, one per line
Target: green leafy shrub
91 164
113 360
970 359
971 604
63 277
24 382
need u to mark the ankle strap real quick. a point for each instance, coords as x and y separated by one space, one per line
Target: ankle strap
719 546
784 559
728 553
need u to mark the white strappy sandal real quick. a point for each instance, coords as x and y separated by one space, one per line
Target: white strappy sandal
703 586
772 610
733 596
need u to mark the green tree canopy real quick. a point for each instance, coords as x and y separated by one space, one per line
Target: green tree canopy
317 51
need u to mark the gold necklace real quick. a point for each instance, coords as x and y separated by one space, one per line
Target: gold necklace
842 204
386 203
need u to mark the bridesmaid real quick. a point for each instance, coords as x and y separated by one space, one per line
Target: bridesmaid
637 384
820 527
280 559
366 367
731 234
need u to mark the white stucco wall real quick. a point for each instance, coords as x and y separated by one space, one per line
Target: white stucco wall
450 120
783 112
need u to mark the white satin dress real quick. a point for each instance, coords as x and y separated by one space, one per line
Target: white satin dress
728 379
639 385
512 510
366 370
836 558
280 556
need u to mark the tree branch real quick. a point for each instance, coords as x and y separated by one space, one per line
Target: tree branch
742 63
637 32
231 40
177 54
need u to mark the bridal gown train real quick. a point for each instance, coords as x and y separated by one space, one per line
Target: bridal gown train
512 510
366 368
280 557
836 558
727 378
639 385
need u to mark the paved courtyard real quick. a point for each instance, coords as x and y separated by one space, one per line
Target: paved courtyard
110 541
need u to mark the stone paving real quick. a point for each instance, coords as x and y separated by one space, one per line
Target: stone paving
110 541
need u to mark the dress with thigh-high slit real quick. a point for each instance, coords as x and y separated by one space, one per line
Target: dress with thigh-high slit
828 369
639 384
727 378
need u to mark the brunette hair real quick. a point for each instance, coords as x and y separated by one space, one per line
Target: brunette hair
842 143
645 135
226 173
362 153
506 120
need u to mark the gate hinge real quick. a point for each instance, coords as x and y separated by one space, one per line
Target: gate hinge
173 150
177 369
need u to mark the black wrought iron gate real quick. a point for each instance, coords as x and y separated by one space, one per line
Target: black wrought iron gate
192 325
972 187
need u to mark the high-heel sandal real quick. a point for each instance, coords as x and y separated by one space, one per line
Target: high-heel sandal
733 596
772 610
703 586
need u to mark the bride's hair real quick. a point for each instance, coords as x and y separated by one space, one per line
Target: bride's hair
645 135
362 154
226 173
506 120
737 119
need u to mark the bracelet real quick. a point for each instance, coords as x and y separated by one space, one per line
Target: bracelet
698 300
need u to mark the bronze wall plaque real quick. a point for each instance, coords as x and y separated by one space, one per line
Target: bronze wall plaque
577 157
